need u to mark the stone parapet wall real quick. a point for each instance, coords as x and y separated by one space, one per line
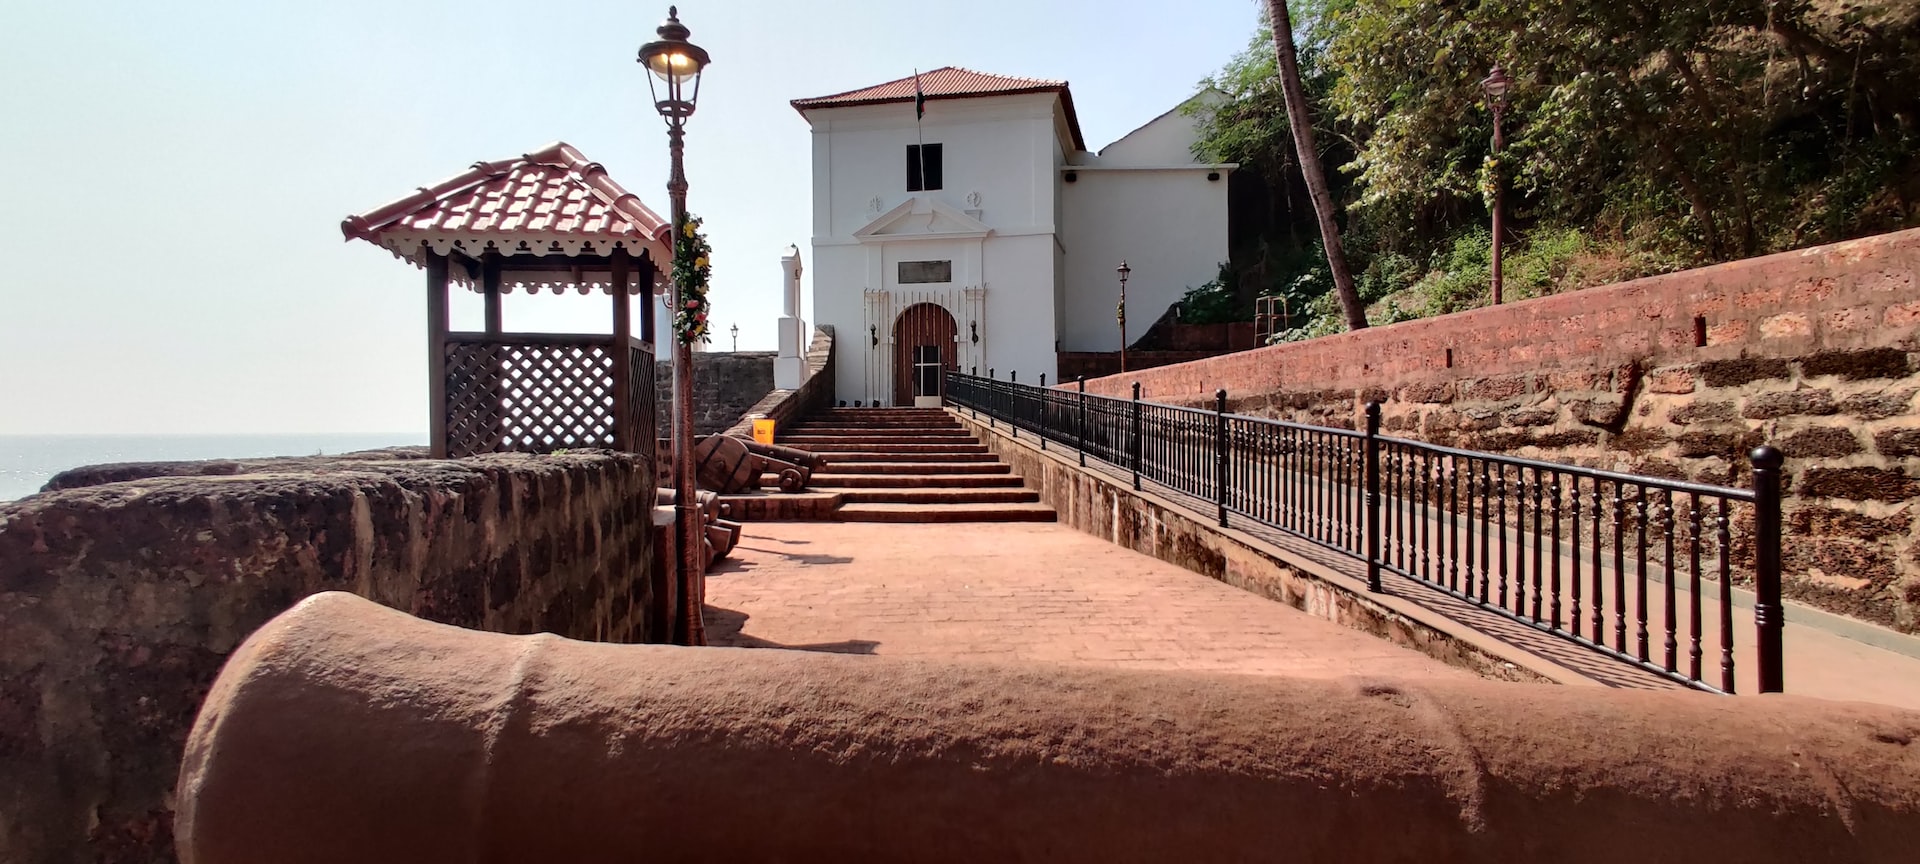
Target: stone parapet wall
123 592
347 728
1093 364
725 385
789 406
1816 352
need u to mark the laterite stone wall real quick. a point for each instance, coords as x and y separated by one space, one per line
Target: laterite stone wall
123 591
1816 352
725 385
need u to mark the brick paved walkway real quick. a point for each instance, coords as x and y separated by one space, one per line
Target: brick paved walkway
1017 592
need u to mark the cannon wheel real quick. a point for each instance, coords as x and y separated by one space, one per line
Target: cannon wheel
791 480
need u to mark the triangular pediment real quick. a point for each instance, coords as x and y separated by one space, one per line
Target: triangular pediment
922 218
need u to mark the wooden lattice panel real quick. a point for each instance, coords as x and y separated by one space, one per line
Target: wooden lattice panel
528 398
640 396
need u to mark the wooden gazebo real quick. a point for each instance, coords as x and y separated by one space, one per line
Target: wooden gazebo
549 220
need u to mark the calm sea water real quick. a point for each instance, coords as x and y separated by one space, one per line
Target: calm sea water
27 461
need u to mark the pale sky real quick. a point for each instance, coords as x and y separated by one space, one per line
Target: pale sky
176 172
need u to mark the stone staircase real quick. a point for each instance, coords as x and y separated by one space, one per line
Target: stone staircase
911 465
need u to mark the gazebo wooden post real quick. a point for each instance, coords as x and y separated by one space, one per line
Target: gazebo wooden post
648 271
436 353
623 425
490 286
496 373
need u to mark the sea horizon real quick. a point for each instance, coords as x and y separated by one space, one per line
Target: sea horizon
28 461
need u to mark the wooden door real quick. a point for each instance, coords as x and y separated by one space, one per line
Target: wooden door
924 339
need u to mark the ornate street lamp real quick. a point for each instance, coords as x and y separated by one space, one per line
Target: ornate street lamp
736 338
1496 86
1120 311
675 84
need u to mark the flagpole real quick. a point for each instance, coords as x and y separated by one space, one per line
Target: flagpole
920 135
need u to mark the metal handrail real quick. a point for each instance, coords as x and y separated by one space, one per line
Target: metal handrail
1526 539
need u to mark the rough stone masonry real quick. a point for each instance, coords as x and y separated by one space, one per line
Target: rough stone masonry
725 386
1816 352
122 592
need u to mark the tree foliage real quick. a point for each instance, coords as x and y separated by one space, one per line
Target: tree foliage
1668 133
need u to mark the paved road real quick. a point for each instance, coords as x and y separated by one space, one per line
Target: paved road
1005 591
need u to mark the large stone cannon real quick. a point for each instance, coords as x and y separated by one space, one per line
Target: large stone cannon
344 731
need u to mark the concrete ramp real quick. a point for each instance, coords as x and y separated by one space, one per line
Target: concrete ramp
344 731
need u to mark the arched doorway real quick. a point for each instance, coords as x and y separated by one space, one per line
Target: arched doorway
923 344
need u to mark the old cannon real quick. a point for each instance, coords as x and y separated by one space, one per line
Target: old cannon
721 534
730 465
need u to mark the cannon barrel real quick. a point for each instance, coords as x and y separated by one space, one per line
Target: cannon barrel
345 731
803 458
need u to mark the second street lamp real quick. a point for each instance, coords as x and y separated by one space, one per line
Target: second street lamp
675 84
1497 86
1120 311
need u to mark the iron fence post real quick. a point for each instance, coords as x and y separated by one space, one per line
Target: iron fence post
1080 426
1041 395
1013 401
1768 614
1373 496
1220 453
1133 440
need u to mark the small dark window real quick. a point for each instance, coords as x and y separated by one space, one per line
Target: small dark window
923 167
921 272
926 370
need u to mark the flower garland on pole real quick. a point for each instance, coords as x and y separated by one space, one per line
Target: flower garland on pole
691 260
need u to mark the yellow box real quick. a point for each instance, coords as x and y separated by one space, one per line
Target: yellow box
763 431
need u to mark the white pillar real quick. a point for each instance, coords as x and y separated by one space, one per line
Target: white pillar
791 365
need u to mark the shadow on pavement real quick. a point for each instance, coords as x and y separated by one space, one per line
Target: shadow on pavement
725 626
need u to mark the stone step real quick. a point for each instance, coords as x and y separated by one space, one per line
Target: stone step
866 447
839 457
881 414
844 481
947 513
930 494
889 428
884 466
802 440
855 426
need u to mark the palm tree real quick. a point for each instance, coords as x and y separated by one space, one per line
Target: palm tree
1302 124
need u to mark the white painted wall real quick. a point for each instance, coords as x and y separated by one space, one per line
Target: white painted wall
1169 225
1019 331
1047 261
1000 156
1165 140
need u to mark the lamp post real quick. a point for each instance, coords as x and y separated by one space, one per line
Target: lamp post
1120 311
1496 86
676 63
736 338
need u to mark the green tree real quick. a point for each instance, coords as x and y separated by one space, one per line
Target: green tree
1741 118
1300 119
1641 137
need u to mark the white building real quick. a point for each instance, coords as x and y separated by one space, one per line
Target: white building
984 235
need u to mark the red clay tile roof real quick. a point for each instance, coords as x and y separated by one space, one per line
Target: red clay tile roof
950 82
554 195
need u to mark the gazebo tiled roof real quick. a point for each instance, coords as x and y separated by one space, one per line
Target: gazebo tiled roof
551 202
950 82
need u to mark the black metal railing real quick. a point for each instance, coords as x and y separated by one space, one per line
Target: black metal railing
1636 568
